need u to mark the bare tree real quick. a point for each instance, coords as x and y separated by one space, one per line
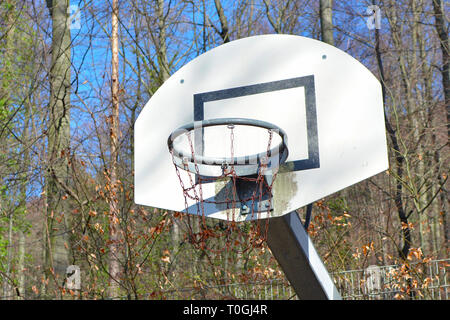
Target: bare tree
58 133
326 21
442 30
223 22
114 214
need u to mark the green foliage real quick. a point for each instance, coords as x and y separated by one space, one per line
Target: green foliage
16 70
3 251
4 109
7 6
338 205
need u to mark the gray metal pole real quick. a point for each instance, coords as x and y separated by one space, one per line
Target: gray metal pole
295 252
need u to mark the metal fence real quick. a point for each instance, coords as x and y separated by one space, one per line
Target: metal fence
272 290
266 290
425 281
428 281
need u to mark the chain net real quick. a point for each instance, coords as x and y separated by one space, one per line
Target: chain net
256 187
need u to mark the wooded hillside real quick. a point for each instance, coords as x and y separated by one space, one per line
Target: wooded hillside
72 83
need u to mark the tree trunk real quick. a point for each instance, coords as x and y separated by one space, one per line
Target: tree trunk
223 22
399 158
326 21
7 292
23 199
418 130
442 31
4 94
162 47
21 265
114 227
58 130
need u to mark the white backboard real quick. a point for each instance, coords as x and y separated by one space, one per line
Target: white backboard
328 103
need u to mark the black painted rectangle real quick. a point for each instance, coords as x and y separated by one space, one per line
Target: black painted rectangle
313 160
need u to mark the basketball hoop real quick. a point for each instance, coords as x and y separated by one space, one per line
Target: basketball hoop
197 163
246 180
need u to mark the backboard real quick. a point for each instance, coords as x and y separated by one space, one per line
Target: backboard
328 103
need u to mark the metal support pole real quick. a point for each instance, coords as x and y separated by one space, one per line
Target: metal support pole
295 252
308 216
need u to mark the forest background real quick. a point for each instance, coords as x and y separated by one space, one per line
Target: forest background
74 77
